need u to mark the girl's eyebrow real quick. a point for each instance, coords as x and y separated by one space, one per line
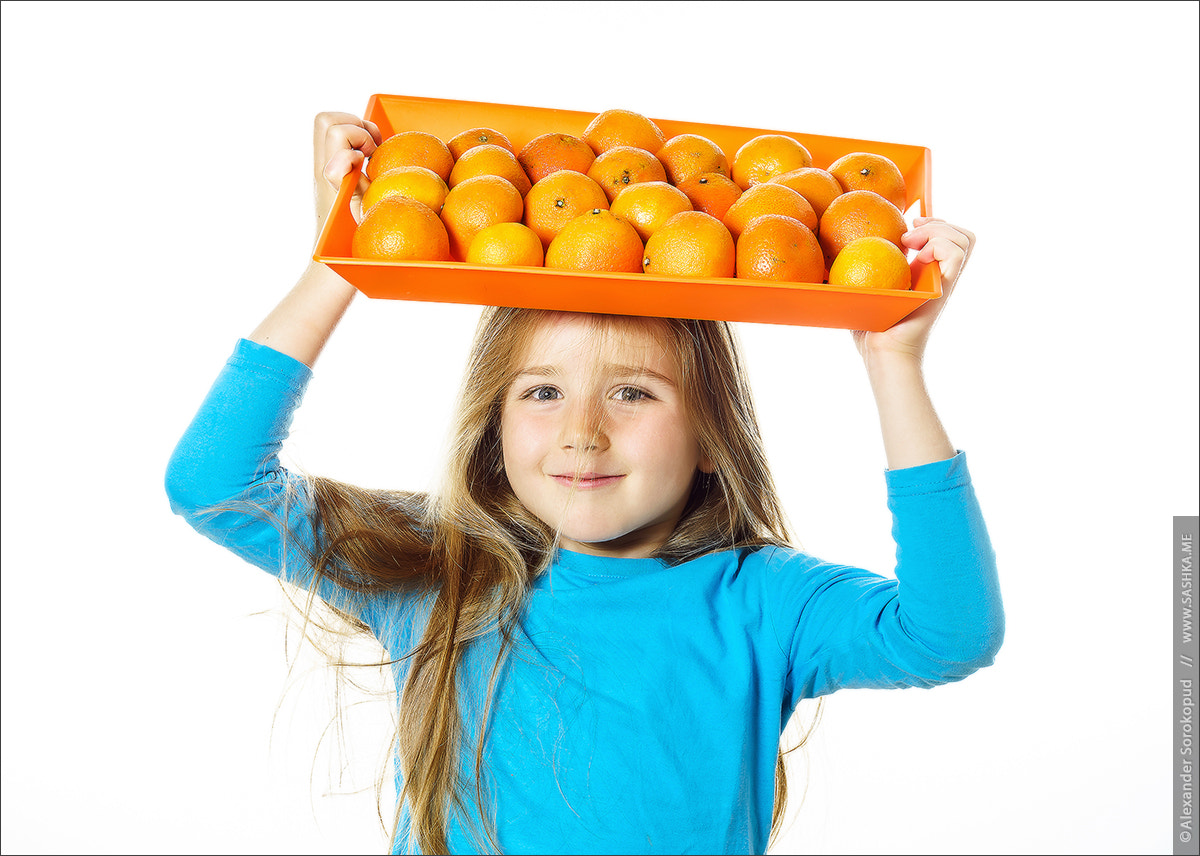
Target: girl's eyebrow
612 369
624 371
539 371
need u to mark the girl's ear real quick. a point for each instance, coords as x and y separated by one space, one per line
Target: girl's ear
706 465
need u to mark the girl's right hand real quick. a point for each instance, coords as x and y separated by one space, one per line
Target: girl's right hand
341 142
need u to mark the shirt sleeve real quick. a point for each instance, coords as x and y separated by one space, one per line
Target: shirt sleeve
939 620
225 478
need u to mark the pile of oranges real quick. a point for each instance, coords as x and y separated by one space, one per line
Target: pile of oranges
624 198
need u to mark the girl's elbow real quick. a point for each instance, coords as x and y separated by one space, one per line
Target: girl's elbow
181 487
190 485
995 640
980 649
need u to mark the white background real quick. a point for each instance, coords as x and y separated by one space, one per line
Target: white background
157 202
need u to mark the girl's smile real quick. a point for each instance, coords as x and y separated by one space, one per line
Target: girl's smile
596 437
586 481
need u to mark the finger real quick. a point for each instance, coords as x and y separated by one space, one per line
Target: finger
341 137
356 135
924 244
925 228
324 121
921 221
341 164
348 148
373 130
338 132
948 253
922 240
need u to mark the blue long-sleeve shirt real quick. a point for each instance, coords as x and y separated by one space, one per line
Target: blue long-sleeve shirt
641 708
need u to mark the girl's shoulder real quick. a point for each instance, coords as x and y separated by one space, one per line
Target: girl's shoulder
756 564
762 557
782 575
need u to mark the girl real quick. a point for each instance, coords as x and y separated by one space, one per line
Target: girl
597 628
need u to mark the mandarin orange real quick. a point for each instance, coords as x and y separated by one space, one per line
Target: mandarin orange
472 137
411 148
866 171
816 185
623 128
871 262
649 204
596 241
766 156
489 159
711 192
618 167
558 199
767 198
475 203
687 155
781 249
415 182
397 228
506 244
859 214
549 153
691 243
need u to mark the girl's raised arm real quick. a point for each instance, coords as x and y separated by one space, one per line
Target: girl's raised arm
303 321
912 433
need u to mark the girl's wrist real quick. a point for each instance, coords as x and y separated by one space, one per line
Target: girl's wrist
302 322
891 365
326 278
912 433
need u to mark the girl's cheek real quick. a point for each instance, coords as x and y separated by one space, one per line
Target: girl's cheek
522 438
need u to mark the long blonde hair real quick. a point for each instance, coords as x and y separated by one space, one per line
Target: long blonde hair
474 549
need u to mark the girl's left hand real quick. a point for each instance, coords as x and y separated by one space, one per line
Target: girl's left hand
341 143
936 241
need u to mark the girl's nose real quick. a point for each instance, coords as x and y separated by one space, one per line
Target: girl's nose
583 429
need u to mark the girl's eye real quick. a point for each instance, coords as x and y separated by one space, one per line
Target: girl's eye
631 393
542 393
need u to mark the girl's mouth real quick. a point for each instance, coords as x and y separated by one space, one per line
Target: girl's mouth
587 481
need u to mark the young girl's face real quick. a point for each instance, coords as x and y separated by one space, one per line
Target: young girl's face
596 439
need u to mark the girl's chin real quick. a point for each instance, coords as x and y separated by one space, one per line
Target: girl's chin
624 546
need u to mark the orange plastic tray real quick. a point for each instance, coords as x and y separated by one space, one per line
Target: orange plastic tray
809 304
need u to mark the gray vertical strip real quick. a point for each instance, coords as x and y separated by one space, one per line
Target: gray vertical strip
1186 765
